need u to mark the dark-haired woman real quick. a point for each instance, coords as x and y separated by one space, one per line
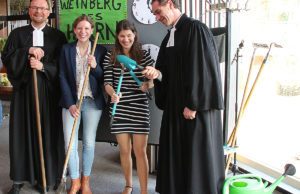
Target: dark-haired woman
132 113
74 61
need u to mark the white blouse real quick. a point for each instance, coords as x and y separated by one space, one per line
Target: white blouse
81 68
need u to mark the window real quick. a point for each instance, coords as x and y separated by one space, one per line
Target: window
269 132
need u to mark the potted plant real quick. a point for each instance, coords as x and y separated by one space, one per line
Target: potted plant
3 77
2 43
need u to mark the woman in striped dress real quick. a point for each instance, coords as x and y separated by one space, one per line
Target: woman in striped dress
132 113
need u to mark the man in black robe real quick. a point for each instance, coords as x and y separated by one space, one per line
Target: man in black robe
20 57
188 89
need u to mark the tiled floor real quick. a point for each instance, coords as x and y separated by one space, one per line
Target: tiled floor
106 177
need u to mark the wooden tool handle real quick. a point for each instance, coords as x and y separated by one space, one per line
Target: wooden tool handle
79 106
39 128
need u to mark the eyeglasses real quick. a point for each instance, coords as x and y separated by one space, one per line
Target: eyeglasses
35 8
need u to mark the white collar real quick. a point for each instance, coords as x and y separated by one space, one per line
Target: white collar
40 28
171 41
38 36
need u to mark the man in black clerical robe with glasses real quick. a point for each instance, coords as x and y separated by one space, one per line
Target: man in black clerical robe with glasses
20 57
189 91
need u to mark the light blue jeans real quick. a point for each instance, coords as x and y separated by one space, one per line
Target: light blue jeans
90 116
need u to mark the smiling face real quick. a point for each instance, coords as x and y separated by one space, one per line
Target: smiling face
39 12
163 13
126 39
83 31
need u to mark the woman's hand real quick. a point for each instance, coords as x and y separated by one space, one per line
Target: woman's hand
91 60
115 98
74 111
150 72
144 87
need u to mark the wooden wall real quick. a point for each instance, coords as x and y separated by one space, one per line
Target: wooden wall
3 12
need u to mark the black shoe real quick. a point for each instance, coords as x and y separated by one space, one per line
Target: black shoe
15 189
129 187
56 184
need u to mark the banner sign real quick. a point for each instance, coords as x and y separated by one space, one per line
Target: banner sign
105 14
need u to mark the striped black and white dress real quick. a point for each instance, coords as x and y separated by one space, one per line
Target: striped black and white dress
132 113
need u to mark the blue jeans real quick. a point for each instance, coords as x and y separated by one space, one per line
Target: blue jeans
90 116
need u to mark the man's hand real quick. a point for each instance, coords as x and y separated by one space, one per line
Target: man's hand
74 111
92 61
150 72
36 64
144 87
189 114
37 52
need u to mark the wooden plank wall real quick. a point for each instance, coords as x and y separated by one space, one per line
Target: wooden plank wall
3 12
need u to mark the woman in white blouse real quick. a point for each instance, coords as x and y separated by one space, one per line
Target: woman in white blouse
74 60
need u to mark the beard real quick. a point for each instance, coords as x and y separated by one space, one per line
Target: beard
38 19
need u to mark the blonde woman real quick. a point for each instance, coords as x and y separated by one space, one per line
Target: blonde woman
74 60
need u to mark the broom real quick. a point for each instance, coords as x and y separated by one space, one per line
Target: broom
61 189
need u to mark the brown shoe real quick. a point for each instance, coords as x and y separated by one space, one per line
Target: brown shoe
75 186
85 185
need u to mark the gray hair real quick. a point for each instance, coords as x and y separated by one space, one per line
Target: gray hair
164 2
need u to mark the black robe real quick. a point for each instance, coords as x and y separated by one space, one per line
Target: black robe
191 159
23 139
